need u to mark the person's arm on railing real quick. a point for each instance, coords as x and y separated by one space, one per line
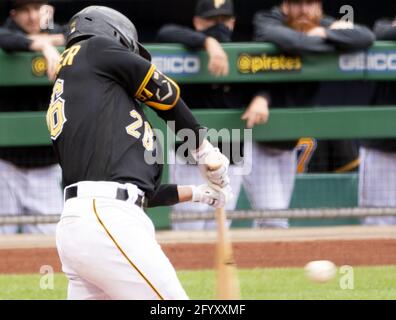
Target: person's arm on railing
269 27
218 64
347 36
50 54
172 33
12 41
385 29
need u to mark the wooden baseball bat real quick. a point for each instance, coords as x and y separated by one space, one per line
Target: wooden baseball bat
227 277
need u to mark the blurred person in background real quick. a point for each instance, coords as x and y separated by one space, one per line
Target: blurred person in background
30 27
299 27
30 178
377 180
271 180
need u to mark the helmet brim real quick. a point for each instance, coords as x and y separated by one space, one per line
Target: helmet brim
143 52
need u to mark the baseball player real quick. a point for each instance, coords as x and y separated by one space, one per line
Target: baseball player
103 141
377 174
267 183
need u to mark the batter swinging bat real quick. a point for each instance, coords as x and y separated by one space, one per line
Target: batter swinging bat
227 278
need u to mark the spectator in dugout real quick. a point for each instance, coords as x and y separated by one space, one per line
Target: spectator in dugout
377 177
299 27
30 178
270 182
23 31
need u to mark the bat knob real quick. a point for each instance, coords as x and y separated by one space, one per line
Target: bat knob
214 161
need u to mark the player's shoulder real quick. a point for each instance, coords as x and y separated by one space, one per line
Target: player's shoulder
105 46
101 42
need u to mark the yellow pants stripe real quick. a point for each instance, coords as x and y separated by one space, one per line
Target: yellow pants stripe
125 255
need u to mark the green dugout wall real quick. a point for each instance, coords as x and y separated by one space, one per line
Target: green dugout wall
249 63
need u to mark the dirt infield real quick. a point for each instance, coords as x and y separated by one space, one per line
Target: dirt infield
276 248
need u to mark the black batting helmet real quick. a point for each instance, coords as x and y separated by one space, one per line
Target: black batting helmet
104 21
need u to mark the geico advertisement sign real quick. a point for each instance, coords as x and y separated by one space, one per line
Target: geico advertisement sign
177 64
373 61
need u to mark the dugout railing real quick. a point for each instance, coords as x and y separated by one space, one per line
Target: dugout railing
249 63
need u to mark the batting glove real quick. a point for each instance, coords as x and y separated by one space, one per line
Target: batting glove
219 176
216 198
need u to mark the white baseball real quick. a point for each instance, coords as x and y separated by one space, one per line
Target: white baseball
320 271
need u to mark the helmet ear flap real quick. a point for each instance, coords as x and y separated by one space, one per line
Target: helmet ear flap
131 46
122 41
119 38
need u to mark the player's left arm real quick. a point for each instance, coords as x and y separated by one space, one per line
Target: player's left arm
171 194
163 95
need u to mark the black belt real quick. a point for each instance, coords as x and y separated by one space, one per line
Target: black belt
122 194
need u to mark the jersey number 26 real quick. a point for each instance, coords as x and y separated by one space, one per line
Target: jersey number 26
56 112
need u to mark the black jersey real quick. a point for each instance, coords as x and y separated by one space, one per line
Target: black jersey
98 127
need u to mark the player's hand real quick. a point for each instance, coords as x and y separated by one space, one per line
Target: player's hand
52 56
317 32
204 155
257 112
341 25
218 60
216 198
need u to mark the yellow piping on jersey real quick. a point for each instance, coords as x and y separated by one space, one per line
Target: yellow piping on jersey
124 254
349 167
156 105
145 80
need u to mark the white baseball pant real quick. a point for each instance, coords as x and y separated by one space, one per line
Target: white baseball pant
108 248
